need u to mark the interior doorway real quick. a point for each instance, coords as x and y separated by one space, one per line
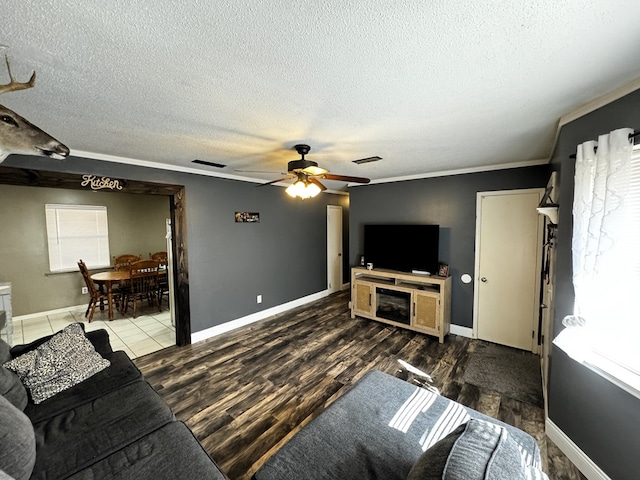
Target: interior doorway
508 259
334 248
177 207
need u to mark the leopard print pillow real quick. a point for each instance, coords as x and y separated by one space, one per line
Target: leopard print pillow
65 360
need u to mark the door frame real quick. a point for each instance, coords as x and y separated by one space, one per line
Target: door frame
177 208
536 293
547 295
335 288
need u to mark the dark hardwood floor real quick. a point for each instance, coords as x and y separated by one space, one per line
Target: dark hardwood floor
246 392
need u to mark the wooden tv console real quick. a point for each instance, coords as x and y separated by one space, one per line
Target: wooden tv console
408 300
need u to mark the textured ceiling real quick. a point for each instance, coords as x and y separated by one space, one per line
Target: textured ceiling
429 86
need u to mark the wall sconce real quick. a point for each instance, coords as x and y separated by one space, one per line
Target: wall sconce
547 207
551 212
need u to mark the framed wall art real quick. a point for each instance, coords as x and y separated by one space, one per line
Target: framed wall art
443 270
247 217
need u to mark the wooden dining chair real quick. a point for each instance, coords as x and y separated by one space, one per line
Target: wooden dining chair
142 285
123 262
163 278
159 256
95 295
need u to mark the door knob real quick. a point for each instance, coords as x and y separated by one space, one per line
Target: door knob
483 279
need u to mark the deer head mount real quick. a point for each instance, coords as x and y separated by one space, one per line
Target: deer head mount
18 135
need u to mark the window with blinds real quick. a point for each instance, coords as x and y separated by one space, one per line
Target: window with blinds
77 232
615 348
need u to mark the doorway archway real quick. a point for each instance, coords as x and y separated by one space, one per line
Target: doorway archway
177 206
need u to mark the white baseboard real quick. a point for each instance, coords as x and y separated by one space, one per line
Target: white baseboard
462 331
580 459
255 317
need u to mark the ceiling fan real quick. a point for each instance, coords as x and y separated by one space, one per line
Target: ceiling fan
307 175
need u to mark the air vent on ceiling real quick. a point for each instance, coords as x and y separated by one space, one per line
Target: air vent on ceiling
211 164
367 160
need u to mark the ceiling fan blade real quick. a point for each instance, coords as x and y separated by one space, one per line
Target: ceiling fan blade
345 178
315 181
312 170
275 181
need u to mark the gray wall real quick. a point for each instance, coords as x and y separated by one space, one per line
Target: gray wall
447 201
136 225
599 417
282 258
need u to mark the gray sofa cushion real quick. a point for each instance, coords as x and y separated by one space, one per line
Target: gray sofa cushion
122 372
378 429
12 388
5 351
17 442
75 439
169 453
484 452
432 463
65 360
477 450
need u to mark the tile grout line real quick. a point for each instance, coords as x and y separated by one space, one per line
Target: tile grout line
48 325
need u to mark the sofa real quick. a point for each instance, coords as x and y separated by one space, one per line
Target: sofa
388 429
99 419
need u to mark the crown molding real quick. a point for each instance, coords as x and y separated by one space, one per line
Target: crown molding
592 106
176 168
160 166
461 171
599 102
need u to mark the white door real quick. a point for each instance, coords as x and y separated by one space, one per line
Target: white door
508 267
334 248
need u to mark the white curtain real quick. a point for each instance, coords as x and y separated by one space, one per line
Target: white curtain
605 247
602 271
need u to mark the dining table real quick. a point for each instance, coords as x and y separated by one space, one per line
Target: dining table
107 280
114 277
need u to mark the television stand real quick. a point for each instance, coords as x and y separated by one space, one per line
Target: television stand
409 300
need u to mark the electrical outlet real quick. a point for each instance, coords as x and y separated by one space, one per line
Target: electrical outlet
85 290
259 299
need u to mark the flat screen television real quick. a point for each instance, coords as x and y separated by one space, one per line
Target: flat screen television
402 247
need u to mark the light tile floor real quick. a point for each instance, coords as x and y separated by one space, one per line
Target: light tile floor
149 332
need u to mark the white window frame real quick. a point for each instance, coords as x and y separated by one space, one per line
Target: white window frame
77 232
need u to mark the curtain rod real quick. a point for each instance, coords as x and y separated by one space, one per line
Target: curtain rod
632 136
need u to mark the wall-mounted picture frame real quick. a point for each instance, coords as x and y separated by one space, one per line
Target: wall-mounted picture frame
247 217
443 270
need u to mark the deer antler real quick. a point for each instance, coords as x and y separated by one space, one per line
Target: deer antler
12 86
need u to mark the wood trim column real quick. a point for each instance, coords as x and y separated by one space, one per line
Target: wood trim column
180 267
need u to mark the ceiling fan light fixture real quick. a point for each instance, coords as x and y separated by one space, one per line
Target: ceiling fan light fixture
312 189
303 189
307 176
